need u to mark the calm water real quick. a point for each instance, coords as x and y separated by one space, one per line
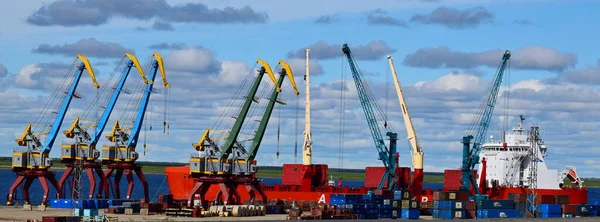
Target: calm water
158 185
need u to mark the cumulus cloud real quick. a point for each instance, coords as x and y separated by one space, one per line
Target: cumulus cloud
385 20
97 12
162 26
322 50
164 45
193 59
326 19
455 18
587 75
528 57
89 47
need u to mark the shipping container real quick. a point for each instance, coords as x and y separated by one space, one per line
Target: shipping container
550 215
53 219
496 204
496 213
569 209
453 179
373 177
293 174
550 209
562 199
470 205
410 214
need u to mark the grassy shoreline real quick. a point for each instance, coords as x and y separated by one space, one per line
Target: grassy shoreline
275 172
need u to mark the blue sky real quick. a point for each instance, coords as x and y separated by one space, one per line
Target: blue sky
445 53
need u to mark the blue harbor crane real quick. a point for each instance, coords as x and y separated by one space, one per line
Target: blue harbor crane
478 129
34 161
369 102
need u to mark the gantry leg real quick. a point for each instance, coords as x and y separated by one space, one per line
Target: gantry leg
11 192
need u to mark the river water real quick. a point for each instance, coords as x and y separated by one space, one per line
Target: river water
158 185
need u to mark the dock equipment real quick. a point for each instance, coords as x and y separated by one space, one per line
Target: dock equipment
368 101
416 151
478 129
232 165
81 151
34 162
120 155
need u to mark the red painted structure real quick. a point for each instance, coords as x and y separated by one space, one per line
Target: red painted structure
90 168
28 176
297 185
128 169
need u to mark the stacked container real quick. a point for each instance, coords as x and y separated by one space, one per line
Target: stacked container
380 204
452 205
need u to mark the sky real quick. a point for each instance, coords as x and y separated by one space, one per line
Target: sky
445 53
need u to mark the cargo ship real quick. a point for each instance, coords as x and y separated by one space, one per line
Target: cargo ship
515 164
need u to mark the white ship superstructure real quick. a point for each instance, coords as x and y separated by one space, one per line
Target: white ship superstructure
509 161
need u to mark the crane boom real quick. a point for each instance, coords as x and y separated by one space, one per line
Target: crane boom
113 99
85 64
307 144
237 126
416 151
260 132
479 128
387 157
135 132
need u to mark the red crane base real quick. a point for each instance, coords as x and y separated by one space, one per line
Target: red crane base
29 176
127 168
90 168
228 194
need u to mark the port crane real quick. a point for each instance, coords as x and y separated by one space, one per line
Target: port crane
475 137
416 151
307 143
242 164
34 162
212 159
82 150
369 103
120 156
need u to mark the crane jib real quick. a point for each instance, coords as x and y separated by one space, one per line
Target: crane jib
135 132
387 157
63 110
111 104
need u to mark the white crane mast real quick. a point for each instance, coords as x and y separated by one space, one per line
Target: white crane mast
307 146
416 152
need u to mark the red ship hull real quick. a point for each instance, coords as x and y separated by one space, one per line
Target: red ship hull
180 184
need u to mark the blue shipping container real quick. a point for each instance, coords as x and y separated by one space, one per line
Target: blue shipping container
550 215
435 213
397 194
451 214
496 204
482 214
550 209
502 213
410 214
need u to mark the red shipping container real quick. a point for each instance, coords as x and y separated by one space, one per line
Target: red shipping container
471 214
53 219
453 179
546 199
373 177
569 209
471 205
293 174
562 199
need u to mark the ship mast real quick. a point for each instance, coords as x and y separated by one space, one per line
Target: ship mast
307 146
